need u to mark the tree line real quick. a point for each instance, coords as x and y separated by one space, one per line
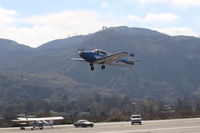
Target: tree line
98 108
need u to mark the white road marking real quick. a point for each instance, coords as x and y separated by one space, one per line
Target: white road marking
153 129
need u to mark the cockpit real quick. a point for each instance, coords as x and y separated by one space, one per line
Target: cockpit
100 52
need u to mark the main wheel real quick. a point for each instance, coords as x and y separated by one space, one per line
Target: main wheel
92 68
22 128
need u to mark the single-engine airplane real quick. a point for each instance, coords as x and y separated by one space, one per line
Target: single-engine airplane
101 57
37 122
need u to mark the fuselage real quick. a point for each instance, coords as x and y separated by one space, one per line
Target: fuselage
90 56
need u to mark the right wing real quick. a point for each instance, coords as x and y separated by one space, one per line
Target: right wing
111 58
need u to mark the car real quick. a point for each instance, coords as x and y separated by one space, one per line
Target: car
83 123
136 118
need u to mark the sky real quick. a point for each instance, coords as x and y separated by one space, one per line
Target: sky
35 22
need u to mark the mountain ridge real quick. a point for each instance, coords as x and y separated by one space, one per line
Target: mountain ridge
168 67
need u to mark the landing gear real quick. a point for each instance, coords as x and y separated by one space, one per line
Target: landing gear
91 66
22 128
103 67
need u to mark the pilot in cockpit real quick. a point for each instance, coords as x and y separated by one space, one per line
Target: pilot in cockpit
100 52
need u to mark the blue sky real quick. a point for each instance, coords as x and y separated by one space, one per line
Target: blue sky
34 22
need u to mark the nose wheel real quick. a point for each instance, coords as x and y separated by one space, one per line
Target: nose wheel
103 67
91 66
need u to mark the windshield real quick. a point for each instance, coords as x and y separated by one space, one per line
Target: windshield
136 117
82 121
100 52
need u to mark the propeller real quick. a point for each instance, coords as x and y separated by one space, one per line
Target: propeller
80 50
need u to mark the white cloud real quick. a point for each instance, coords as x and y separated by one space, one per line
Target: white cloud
32 36
47 27
105 4
152 17
164 17
134 18
181 3
177 31
70 20
7 16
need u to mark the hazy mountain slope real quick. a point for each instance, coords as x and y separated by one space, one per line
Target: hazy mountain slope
15 87
9 46
12 54
169 66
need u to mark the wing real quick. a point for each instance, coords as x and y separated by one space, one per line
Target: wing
111 58
20 121
51 118
37 119
78 59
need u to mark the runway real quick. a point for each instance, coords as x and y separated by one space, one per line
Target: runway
190 125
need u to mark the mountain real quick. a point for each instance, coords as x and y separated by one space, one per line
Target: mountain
9 46
16 87
168 68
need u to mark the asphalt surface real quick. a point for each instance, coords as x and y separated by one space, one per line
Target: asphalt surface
191 125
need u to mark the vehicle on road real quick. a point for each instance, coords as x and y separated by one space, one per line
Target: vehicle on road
136 118
83 123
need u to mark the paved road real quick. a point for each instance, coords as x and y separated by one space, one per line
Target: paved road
157 126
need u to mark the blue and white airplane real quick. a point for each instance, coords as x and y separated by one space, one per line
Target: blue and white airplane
101 57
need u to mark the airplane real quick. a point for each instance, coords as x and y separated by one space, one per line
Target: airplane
37 122
101 57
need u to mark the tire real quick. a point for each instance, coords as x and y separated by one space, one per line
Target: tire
84 125
22 128
92 68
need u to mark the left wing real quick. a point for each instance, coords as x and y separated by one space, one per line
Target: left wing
111 58
78 59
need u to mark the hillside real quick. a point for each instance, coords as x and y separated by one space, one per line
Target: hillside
16 87
168 67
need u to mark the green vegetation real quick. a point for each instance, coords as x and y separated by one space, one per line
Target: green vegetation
99 108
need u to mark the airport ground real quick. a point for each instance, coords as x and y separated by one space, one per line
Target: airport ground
190 125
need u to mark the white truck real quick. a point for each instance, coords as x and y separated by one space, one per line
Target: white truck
136 118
